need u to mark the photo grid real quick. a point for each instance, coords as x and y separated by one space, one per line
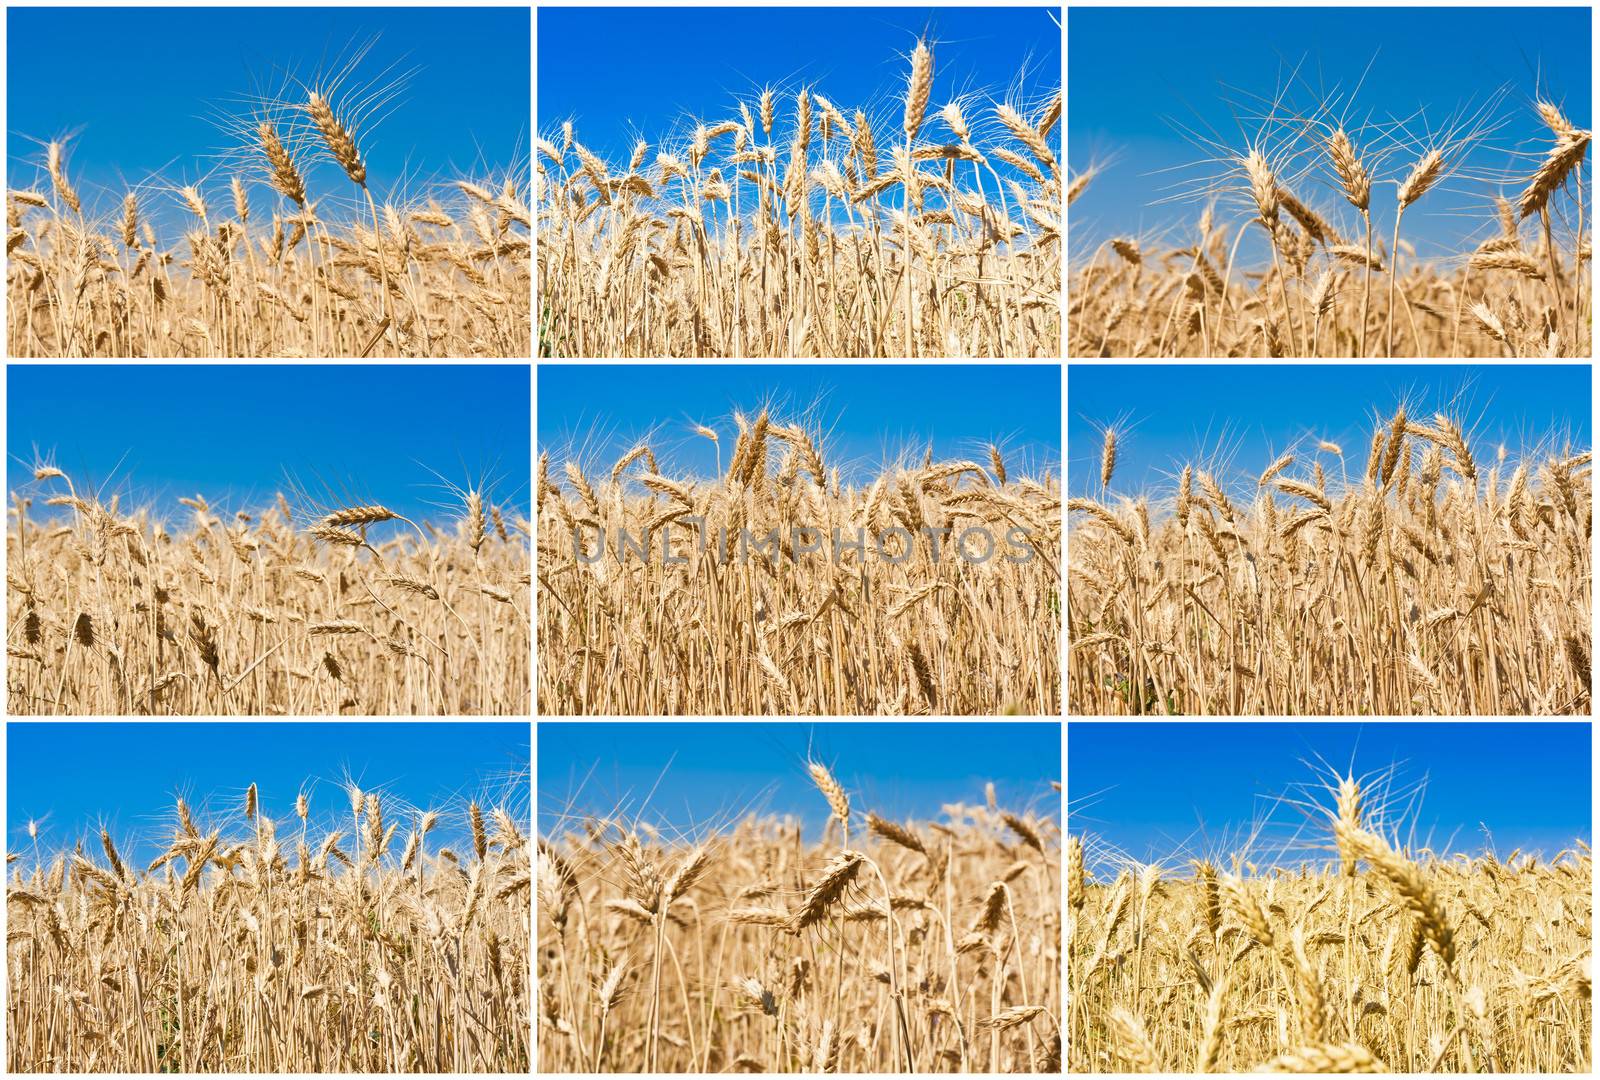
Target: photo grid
1329 605
525 560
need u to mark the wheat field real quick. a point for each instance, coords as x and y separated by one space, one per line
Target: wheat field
1424 582
271 259
887 947
1384 959
231 953
762 609
1342 281
796 226
354 609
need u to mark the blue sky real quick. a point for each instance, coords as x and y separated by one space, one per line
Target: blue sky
694 777
72 776
465 108
855 56
869 413
1239 417
237 434
1193 62
1174 791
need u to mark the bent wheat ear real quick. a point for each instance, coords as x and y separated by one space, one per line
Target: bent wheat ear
1025 831
1026 135
896 834
1079 185
1423 175
1490 322
285 177
336 627
340 141
330 534
1357 256
1312 222
686 873
358 515
1565 156
828 890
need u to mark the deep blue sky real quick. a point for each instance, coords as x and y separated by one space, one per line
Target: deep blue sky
465 109
1174 791
72 776
238 433
853 56
701 776
1239 417
869 412
1192 62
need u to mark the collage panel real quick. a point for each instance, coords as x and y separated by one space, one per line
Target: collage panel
1289 896
763 896
1301 183
1330 540
822 182
786 540
268 897
268 540
362 190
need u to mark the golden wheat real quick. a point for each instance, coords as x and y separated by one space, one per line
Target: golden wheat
1433 584
447 274
935 950
360 610
1510 295
230 953
736 595
1384 960
736 242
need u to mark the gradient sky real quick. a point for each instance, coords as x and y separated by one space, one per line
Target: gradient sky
700 776
1173 791
870 412
1239 417
854 56
465 111
238 433
72 776
1193 62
